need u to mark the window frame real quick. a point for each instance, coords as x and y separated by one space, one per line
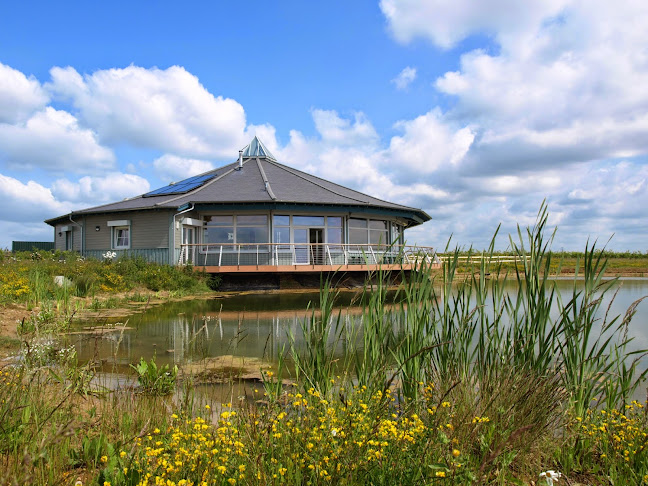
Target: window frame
115 237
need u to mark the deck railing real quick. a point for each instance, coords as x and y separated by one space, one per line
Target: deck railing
315 254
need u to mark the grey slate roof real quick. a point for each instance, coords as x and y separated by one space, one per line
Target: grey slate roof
257 180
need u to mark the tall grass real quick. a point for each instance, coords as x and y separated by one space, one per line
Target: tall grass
467 330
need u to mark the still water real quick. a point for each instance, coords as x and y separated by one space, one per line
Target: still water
257 326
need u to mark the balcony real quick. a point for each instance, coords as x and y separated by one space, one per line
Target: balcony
304 257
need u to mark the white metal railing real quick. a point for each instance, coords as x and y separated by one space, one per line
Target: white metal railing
277 254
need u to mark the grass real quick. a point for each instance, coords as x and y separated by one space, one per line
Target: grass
464 383
28 277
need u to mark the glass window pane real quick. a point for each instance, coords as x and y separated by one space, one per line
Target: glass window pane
219 220
308 220
252 219
281 220
335 221
334 235
357 223
300 236
375 224
252 234
357 236
281 235
122 237
376 237
223 234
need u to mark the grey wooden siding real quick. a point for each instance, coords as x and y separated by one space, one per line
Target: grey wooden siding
59 240
149 229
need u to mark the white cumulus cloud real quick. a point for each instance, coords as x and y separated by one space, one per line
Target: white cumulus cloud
20 95
172 168
89 190
54 140
164 109
27 202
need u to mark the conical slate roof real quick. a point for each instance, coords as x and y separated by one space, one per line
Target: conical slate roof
256 178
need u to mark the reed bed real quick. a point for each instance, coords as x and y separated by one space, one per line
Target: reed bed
465 383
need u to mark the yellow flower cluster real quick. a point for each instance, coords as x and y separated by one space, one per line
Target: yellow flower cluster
309 439
616 435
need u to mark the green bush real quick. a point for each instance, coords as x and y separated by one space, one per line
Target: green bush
154 379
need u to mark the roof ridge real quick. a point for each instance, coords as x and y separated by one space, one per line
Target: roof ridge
265 180
300 172
206 184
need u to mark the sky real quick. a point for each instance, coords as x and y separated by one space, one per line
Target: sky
476 111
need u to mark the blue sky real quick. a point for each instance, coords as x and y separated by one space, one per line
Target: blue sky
475 111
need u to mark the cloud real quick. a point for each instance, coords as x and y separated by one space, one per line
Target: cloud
54 140
90 191
567 81
446 23
405 78
20 96
27 202
172 168
163 109
428 143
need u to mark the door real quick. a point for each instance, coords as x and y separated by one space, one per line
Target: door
189 238
316 240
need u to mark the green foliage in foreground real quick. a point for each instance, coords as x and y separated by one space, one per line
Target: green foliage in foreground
467 384
28 277
154 379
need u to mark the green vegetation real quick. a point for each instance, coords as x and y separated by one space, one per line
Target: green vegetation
625 263
28 277
465 385
154 379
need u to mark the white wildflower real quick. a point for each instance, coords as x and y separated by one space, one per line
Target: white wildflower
550 476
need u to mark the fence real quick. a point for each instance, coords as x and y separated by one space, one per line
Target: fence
31 245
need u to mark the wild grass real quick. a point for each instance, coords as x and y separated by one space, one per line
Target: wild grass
28 277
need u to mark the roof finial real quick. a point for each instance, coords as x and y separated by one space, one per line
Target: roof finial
256 149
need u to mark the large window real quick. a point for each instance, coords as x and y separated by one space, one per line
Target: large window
334 229
240 229
358 231
219 229
368 231
281 228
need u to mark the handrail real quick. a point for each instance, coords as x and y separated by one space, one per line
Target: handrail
277 254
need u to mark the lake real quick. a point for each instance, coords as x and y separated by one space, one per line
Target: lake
257 326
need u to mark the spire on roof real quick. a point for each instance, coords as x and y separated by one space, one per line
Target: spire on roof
256 149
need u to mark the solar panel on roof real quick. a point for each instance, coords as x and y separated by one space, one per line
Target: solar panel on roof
181 187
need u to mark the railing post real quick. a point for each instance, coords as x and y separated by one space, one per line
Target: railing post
220 256
373 255
238 256
294 254
328 250
346 255
257 257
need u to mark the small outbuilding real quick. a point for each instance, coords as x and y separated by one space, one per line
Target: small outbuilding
253 215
